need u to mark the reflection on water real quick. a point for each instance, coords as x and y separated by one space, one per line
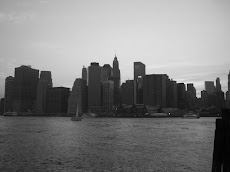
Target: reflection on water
106 144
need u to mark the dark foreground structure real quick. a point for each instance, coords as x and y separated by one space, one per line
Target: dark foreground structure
221 152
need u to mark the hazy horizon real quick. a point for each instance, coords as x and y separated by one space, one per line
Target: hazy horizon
187 40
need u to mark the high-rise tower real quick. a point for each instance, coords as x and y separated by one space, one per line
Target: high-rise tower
9 94
45 82
218 85
84 73
78 97
94 85
116 79
25 89
139 73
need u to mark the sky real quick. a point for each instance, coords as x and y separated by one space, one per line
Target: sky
189 40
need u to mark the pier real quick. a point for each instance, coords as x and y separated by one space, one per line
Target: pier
221 151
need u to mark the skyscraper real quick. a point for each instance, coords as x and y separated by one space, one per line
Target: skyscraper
9 94
108 95
218 85
78 97
106 72
57 100
94 85
116 79
139 73
171 94
139 70
209 87
84 74
45 82
25 90
127 94
191 96
155 90
181 95
116 70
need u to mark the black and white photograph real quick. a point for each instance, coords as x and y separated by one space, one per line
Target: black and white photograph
114 85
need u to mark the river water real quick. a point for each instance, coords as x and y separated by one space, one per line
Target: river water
106 144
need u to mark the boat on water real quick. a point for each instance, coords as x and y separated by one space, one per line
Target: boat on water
89 115
157 115
10 114
76 117
191 115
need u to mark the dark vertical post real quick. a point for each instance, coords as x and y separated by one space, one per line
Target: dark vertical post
221 152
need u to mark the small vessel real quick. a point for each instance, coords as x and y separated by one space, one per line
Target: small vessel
89 115
191 115
76 117
10 114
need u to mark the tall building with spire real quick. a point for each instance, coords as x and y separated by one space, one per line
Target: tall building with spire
115 77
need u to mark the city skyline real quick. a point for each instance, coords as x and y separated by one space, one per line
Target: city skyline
187 40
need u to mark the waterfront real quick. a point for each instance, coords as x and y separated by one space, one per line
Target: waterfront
106 144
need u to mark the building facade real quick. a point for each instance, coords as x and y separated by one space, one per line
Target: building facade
44 83
84 74
108 96
9 94
57 100
181 96
25 88
209 87
139 73
127 92
116 78
94 85
78 97
155 90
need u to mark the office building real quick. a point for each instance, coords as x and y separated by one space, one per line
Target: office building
204 98
45 82
127 94
78 97
84 74
116 70
191 96
106 72
155 90
115 77
218 85
139 73
108 96
209 87
9 94
139 70
57 100
94 85
171 94
181 96
25 89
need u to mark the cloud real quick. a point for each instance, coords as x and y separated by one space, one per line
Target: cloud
16 18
